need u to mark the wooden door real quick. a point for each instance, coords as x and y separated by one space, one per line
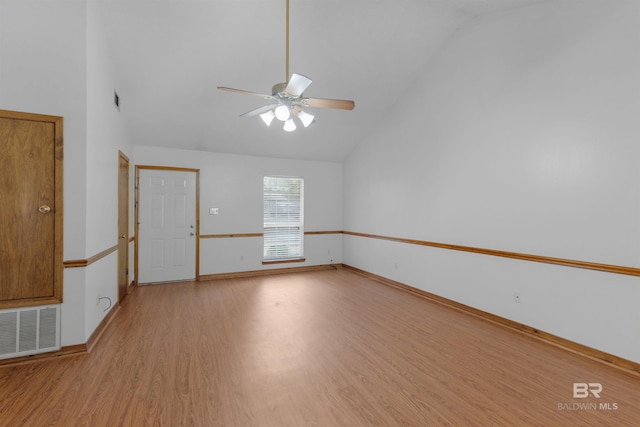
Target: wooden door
123 225
167 225
30 209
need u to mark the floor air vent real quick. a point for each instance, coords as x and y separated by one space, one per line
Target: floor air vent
29 330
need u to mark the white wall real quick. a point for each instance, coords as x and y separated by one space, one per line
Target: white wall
43 70
53 60
521 136
43 55
106 135
233 183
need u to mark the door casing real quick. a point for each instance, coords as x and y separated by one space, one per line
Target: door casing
123 225
136 246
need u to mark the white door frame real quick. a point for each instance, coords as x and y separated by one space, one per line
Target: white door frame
137 213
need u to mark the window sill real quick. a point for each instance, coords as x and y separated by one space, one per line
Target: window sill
283 261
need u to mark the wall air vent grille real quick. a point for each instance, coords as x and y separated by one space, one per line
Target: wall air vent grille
29 331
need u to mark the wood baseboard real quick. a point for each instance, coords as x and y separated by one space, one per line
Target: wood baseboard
95 336
71 350
624 365
268 272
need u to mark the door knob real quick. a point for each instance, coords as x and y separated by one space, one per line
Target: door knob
44 209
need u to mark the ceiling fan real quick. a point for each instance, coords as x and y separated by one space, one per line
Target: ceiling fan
287 101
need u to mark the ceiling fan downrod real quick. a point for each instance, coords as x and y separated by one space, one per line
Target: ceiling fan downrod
286 77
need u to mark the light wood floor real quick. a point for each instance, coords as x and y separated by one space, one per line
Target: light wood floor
326 348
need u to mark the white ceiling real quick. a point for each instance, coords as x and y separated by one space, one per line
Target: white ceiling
170 55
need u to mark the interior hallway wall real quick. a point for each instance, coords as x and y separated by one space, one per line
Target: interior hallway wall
54 60
521 136
43 51
106 136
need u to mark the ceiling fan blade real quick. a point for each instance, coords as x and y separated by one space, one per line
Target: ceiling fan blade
297 84
245 92
259 110
342 104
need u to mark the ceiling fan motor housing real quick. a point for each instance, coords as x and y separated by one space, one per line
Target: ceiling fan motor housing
277 88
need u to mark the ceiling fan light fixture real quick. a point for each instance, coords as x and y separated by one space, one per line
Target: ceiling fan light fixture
289 126
287 98
305 118
268 117
282 112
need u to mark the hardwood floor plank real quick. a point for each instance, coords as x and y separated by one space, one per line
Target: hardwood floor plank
324 348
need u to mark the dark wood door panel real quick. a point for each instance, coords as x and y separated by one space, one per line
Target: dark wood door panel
28 206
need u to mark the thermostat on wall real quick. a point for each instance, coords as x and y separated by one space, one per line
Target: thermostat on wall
214 211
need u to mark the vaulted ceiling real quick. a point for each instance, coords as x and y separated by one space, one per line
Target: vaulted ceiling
170 55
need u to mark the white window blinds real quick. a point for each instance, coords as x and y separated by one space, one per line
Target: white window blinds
283 218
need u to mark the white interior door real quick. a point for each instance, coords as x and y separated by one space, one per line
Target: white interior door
167 226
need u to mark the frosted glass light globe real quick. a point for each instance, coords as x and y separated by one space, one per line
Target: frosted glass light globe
289 126
282 113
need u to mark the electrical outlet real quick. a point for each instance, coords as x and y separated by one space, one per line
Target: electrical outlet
516 297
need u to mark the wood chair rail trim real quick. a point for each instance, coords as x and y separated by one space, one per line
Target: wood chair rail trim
616 269
231 235
74 263
608 268
225 236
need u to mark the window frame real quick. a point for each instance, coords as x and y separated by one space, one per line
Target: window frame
278 204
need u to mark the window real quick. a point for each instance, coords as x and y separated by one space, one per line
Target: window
283 218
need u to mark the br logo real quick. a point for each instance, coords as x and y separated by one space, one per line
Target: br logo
583 390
